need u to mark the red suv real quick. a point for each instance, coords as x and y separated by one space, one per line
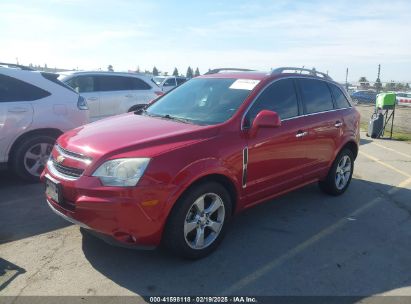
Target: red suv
176 172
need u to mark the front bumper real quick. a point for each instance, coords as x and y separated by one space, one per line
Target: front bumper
130 217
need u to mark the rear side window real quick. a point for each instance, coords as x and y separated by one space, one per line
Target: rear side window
12 89
316 95
113 83
138 84
279 97
341 101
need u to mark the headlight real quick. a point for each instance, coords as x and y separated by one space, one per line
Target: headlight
122 172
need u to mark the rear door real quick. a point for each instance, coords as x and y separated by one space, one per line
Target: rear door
141 91
323 126
276 156
86 86
16 110
115 91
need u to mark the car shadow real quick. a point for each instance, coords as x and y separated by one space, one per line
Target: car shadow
304 243
24 212
8 272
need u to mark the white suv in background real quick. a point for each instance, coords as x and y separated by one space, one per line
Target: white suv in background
112 93
35 108
166 83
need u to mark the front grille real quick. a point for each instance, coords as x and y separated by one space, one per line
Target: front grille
68 171
73 155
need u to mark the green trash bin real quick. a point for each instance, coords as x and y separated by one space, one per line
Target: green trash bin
385 101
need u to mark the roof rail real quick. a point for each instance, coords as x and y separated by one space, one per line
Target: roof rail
300 70
215 71
13 65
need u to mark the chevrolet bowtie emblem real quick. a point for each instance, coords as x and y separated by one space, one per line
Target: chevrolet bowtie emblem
60 159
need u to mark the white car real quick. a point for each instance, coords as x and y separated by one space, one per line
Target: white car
166 83
112 93
404 98
35 108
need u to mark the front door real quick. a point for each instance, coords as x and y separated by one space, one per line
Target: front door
275 158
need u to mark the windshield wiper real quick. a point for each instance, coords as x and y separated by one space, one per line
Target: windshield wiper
166 116
179 119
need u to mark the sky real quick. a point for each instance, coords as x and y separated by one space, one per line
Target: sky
328 35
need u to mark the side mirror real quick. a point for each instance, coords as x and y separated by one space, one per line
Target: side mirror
265 119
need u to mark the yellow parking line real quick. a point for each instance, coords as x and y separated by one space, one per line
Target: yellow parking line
252 277
385 164
392 150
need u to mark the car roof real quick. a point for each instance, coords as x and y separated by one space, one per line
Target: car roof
239 75
103 73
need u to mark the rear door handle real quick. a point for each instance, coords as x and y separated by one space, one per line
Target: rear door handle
301 133
338 124
129 95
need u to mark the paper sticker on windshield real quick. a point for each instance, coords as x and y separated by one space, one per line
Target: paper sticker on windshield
244 84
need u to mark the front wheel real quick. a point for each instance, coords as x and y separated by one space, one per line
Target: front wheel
198 221
340 174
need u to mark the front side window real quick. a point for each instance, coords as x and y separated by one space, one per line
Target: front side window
180 80
12 89
341 101
170 82
279 97
316 95
202 101
82 84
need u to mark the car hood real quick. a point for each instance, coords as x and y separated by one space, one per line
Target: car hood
140 136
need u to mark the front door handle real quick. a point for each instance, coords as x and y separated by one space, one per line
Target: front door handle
129 95
301 133
92 98
17 110
338 124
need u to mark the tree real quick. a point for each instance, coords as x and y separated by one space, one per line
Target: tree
407 86
400 87
175 72
390 86
155 71
364 82
110 68
197 72
189 73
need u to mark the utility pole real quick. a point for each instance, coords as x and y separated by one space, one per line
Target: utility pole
378 79
346 79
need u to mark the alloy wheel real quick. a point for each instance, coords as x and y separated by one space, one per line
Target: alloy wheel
36 157
204 221
343 172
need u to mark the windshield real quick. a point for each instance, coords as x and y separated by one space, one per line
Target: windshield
203 101
158 80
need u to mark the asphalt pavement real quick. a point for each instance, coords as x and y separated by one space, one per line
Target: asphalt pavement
304 243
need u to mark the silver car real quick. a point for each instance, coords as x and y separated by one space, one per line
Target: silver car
112 93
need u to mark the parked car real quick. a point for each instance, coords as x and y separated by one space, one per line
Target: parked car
403 98
177 171
166 83
364 97
35 108
112 93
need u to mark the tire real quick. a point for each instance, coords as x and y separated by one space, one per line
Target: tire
30 156
185 222
337 182
136 107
